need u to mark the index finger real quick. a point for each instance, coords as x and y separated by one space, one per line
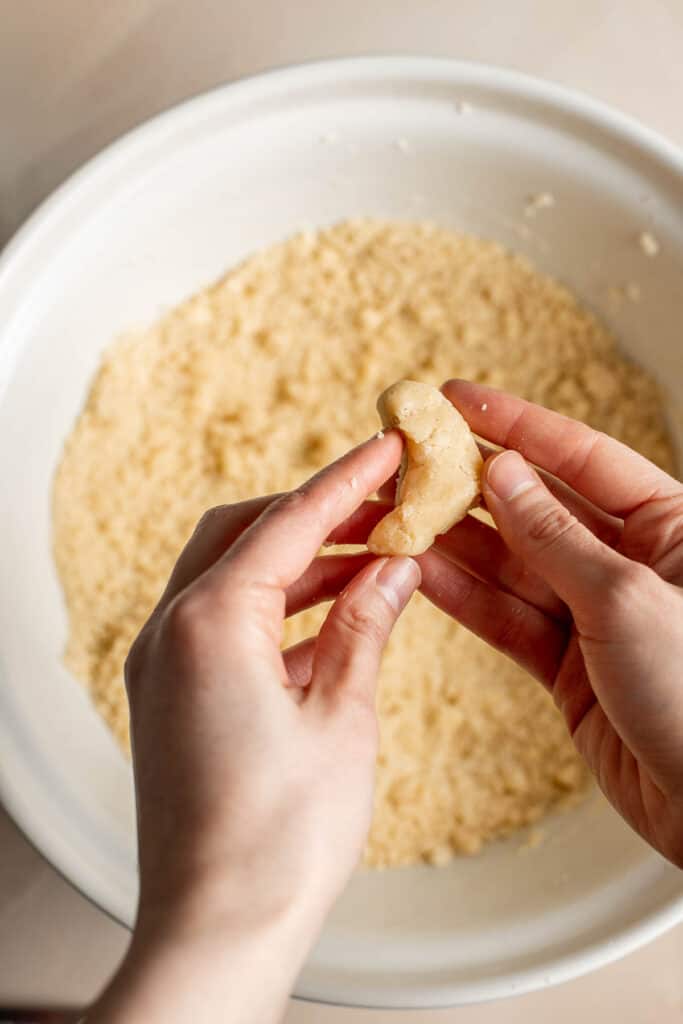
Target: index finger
284 540
607 472
218 528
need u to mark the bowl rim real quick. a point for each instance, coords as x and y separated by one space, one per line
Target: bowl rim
20 248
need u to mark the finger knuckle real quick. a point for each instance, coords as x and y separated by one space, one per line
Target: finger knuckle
292 500
133 666
628 591
142 649
549 523
655 534
361 623
212 515
184 620
509 631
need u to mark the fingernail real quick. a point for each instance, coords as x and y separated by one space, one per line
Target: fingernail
508 476
398 579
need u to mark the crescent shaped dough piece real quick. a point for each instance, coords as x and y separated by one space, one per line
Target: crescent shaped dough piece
440 474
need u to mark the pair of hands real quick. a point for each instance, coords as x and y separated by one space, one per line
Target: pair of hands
254 767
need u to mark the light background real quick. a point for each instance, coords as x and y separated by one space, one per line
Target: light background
75 74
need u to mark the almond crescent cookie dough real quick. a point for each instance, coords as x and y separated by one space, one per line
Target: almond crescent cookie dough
440 473
253 384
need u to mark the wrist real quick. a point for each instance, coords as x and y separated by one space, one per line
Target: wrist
188 961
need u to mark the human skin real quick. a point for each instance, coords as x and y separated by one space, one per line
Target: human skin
582 586
254 771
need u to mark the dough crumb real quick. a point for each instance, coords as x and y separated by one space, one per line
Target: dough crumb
379 435
484 406
541 201
533 840
439 856
648 243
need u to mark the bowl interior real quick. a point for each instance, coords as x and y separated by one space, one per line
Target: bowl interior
163 213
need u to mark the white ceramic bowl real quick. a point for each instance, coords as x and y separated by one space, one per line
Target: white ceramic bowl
169 208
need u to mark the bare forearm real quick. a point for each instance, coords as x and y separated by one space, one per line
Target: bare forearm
174 980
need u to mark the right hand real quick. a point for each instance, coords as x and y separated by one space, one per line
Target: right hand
582 586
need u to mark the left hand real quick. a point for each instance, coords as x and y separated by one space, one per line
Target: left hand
254 768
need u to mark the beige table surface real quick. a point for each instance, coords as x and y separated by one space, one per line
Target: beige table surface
74 74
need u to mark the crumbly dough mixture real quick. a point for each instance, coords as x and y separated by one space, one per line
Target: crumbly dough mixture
440 473
254 383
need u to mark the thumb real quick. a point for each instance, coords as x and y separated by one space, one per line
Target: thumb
546 536
357 628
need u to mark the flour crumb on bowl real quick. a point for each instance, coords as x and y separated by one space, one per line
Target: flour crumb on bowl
648 243
534 838
538 202
619 294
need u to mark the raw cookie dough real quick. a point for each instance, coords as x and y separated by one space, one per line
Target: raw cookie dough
440 475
